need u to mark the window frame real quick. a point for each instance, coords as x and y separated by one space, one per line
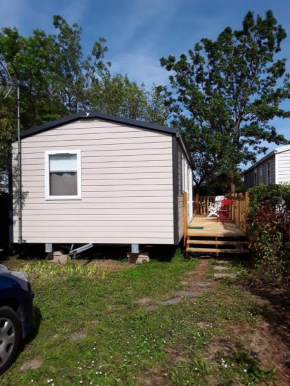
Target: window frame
48 197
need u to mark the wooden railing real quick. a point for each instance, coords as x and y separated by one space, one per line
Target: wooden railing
239 210
201 204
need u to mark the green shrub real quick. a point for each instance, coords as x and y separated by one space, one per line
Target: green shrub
269 217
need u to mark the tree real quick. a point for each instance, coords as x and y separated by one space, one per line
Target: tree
56 80
117 95
225 93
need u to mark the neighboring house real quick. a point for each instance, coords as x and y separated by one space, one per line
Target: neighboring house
273 168
95 178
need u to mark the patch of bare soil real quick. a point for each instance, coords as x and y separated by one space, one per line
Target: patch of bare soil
106 265
197 280
268 348
151 378
199 274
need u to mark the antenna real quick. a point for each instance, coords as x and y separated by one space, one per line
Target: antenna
6 81
7 84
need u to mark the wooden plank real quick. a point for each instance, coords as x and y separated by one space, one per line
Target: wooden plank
217 242
216 250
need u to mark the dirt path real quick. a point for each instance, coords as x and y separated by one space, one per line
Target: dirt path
268 340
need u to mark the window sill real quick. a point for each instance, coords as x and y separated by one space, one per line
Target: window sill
62 198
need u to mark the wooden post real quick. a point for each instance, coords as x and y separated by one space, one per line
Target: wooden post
239 212
196 204
185 220
247 201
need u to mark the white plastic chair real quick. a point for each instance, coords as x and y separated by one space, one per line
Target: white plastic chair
215 206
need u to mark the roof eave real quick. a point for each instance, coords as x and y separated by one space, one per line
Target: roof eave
91 115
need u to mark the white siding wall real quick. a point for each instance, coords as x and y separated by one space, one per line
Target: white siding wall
180 217
186 173
283 167
127 186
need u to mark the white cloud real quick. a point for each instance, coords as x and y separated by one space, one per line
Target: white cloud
140 67
144 19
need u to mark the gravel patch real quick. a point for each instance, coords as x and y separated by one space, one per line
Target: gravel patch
171 301
202 284
33 364
220 268
224 275
151 308
78 335
187 293
143 301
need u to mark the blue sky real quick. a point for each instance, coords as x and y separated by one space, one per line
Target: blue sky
139 32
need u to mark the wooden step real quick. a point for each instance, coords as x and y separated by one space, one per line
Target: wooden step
216 250
217 242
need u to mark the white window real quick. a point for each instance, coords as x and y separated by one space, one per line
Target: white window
63 175
269 173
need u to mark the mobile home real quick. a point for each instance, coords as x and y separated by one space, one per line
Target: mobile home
96 178
274 168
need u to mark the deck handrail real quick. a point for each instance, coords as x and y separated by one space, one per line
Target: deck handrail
201 204
238 210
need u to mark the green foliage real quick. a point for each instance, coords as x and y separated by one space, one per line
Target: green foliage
117 95
225 92
56 80
242 368
270 232
277 196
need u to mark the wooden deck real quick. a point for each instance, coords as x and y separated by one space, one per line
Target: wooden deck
213 228
215 237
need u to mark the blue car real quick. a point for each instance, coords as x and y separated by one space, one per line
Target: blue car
16 314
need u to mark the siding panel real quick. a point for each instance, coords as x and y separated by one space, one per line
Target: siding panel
283 174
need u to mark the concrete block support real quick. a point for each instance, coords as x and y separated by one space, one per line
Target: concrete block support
138 258
58 257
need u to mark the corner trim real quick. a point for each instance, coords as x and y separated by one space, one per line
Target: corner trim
175 189
276 168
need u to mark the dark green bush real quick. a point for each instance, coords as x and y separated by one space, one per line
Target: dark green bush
269 218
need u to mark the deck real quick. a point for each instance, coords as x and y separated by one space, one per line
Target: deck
215 237
213 228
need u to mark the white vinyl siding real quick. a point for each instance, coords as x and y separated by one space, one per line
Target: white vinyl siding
283 170
186 172
126 181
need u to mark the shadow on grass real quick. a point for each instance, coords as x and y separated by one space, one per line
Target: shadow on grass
98 252
37 322
276 312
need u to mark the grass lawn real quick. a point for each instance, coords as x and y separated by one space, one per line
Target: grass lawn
94 331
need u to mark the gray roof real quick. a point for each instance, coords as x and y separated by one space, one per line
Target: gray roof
277 150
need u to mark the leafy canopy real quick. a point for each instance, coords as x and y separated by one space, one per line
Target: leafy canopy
225 93
56 80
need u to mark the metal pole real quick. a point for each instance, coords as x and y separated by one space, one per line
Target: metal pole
19 170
